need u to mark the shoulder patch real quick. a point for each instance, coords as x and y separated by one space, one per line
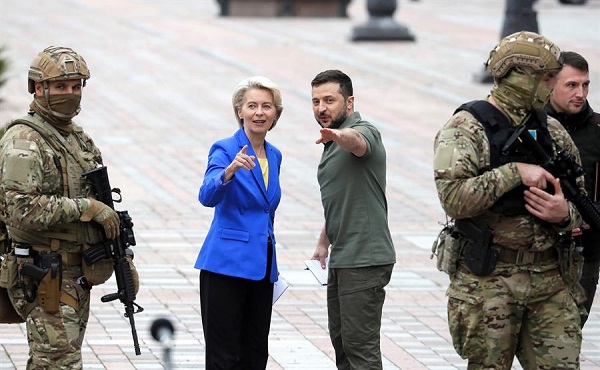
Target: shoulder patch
22 144
17 169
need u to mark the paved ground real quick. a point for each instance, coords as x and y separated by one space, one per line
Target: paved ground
162 77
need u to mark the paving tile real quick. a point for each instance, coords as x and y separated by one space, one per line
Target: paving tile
159 96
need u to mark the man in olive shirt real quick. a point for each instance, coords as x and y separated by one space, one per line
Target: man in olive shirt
352 177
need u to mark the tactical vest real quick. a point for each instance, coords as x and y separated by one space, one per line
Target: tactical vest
505 147
71 165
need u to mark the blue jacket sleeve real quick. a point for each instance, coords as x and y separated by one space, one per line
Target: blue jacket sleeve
213 188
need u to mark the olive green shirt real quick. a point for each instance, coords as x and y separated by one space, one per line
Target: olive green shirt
354 201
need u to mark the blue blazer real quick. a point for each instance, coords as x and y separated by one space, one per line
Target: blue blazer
236 243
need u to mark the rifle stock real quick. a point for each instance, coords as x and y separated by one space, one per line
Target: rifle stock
564 167
116 249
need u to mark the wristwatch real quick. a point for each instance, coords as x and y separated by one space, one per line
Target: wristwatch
564 223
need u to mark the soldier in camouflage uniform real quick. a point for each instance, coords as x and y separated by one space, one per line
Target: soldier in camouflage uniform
50 213
510 294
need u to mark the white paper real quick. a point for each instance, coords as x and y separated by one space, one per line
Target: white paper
279 287
314 266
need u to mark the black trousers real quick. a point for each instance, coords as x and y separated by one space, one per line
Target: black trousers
236 318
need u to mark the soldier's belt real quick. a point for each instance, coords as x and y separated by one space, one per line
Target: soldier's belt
68 300
68 258
525 257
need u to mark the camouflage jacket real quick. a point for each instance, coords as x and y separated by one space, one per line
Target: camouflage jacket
461 150
40 188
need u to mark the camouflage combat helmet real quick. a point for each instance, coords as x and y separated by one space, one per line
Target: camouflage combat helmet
57 63
523 49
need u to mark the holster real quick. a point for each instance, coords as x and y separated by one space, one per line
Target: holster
48 294
477 252
479 259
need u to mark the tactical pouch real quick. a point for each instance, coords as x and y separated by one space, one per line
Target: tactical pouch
48 294
8 271
477 252
8 262
447 249
98 272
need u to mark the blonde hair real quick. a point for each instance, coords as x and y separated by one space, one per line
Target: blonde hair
256 82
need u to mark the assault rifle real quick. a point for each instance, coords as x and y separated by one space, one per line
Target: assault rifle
564 167
116 249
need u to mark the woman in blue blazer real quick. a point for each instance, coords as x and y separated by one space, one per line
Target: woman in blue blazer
237 261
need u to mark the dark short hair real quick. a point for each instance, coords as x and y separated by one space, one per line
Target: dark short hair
574 60
333 75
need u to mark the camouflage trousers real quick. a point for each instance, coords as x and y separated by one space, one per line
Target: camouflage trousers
528 314
55 339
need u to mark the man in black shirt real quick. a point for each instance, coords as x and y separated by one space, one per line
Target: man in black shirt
569 105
